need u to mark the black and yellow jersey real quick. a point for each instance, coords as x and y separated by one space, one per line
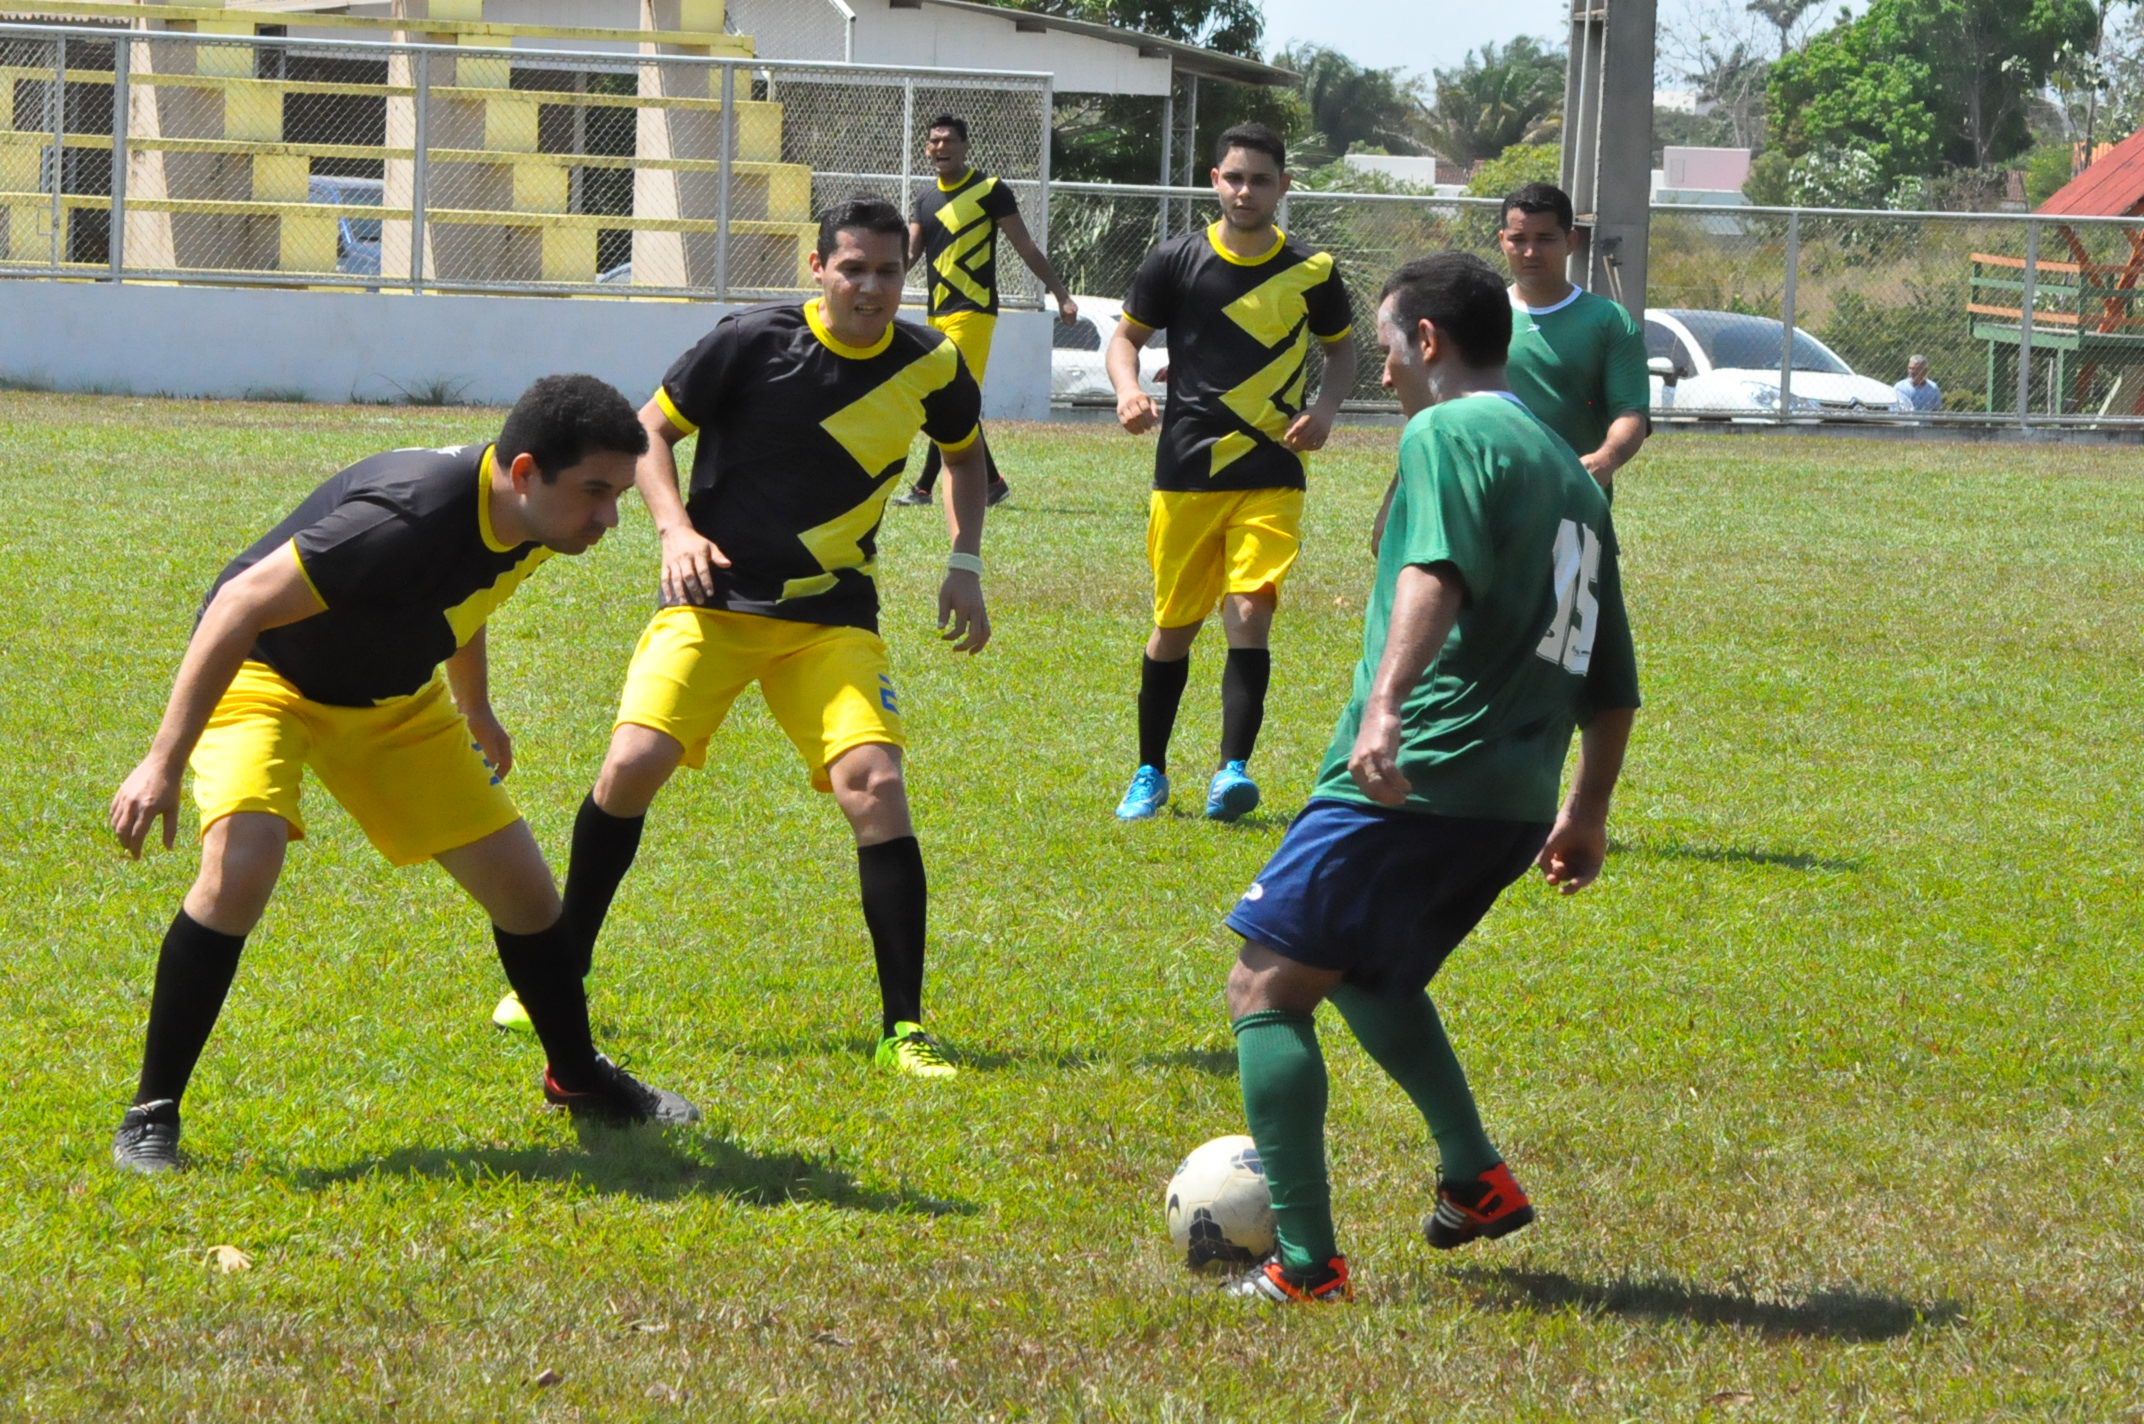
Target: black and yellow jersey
401 550
1239 355
960 241
801 439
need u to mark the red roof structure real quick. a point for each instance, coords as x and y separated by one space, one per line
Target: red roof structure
2111 188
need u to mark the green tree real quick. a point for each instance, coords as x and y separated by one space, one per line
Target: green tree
1230 26
1921 84
1497 98
1350 106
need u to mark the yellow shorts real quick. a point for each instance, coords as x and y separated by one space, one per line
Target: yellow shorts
826 685
406 770
1203 544
971 333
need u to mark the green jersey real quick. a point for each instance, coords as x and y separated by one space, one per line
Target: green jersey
1541 642
1578 365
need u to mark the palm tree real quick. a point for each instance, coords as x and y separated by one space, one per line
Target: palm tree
1495 99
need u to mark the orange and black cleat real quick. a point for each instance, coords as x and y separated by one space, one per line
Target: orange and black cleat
1489 1206
1270 1282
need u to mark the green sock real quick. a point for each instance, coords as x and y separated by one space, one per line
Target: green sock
1283 1078
1405 1036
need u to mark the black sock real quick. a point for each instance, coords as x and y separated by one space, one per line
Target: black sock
603 849
543 968
895 900
1161 691
193 973
1243 700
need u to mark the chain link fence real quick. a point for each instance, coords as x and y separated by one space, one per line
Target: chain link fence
2020 318
453 168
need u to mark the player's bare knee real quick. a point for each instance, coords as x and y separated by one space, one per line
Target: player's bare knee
639 762
1168 645
241 859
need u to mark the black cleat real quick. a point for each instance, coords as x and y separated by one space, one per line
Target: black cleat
148 1138
998 493
912 498
616 1096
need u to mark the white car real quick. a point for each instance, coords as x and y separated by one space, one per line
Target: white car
1727 363
1076 370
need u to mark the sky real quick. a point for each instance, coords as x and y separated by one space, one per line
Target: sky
1417 35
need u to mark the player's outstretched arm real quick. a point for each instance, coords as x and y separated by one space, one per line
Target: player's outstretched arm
272 593
963 620
1016 233
1309 430
1425 604
1135 408
469 679
689 558
1578 842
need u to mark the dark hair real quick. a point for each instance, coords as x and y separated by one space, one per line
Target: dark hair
1255 137
1540 198
860 212
561 420
1459 294
955 122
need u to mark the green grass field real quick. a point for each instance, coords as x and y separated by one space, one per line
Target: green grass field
1827 1092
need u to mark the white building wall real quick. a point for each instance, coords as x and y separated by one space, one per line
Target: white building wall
951 39
339 346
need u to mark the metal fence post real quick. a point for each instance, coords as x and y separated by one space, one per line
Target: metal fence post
2026 299
122 126
727 146
1042 196
908 144
59 148
421 103
1786 312
1168 154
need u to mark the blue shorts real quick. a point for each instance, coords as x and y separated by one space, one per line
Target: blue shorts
1382 896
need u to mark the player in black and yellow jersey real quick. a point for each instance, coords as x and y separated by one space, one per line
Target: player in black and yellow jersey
804 412
321 646
955 232
1241 303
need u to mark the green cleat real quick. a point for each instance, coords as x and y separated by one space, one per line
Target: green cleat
908 1049
511 1016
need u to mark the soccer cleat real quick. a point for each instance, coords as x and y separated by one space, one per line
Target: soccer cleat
1145 797
510 1016
148 1137
911 498
908 1049
1231 793
1488 1207
1269 1282
615 1096
998 493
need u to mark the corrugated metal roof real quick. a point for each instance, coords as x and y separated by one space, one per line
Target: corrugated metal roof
2110 188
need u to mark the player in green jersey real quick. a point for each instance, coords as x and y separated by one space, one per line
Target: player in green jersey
1495 627
1577 359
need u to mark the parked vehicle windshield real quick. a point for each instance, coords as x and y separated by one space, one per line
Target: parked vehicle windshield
1733 341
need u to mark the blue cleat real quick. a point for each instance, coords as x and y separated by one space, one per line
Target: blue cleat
1148 793
1231 794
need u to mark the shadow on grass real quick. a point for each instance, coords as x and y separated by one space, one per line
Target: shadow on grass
1219 1062
648 1165
1739 855
1830 1315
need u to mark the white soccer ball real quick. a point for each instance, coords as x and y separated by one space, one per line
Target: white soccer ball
1220 1213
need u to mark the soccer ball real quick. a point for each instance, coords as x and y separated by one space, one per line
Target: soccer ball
1220 1213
